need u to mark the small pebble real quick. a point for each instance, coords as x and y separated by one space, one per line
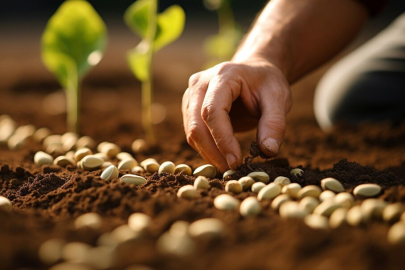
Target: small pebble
250 207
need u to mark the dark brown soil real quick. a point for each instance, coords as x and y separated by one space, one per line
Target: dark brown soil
47 199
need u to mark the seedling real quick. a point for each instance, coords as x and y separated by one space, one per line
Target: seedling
222 46
156 31
72 43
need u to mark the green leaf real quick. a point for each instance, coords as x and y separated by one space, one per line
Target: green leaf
223 45
75 33
64 68
138 61
170 26
137 16
170 23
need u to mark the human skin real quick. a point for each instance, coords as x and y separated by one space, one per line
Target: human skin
289 39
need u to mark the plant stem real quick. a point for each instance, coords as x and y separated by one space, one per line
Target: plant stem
147 86
72 100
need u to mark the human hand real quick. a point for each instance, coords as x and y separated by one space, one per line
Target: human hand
232 97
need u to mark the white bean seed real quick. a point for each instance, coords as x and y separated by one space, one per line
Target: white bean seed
207 228
81 153
5 204
233 186
88 220
139 146
326 208
373 208
309 204
260 177
137 170
132 179
50 251
292 209
316 222
150 165
183 169
124 155
291 190
110 173
392 212
311 191
367 190
332 184
338 217
228 174
201 182
167 167
86 142
345 199
91 162
355 216
226 202
250 207
269 192
282 181
396 234
42 158
207 170
279 200
187 192
64 161
110 149
326 195
139 222
127 164
246 182
256 187
40 134
297 172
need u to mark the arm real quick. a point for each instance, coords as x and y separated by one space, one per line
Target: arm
289 39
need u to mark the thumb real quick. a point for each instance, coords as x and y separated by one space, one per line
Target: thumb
271 128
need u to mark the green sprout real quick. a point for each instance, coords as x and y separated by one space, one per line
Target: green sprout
222 46
73 42
156 31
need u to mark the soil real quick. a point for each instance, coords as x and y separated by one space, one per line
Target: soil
47 199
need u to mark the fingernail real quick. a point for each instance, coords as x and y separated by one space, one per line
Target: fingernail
230 159
271 145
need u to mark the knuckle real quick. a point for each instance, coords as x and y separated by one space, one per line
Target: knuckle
194 79
208 112
224 67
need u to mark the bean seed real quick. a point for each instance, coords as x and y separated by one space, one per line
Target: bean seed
75 252
291 190
345 199
260 177
51 139
79 165
150 165
102 156
296 172
326 208
311 191
332 184
106 164
201 182
373 208
187 192
139 146
5 204
139 222
137 170
207 228
316 222
110 149
124 155
7 128
69 135
81 153
127 164
179 228
88 220
40 134
55 148
64 161
167 167
16 142
396 234
282 181
100 257
256 187
291 209
91 162
226 202
70 266
309 204
279 200
269 192
25 131
250 207
86 142
246 182
392 212
338 217
233 186
42 158
132 179
207 170
228 174
110 173
50 251
326 195
179 246
69 144
183 169
355 216
123 234
367 190
101 145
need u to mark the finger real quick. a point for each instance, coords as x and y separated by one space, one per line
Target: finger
271 126
222 91
198 135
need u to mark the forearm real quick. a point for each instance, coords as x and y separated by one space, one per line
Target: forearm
299 35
